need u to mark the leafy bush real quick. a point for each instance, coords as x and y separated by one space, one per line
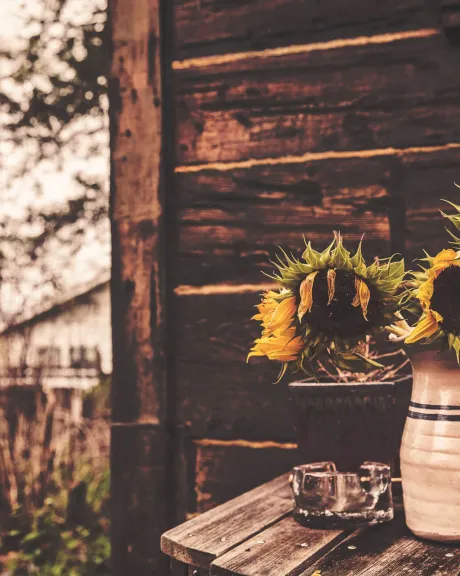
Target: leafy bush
67 536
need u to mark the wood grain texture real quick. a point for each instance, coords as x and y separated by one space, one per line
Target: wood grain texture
226 469
232 221
140 450
200 540
139 506
215 27
398 94
137 199
218 393
388 550
284 549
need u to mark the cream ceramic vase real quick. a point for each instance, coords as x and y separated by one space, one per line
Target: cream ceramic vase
430 449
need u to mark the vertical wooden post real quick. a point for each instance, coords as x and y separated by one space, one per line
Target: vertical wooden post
140 440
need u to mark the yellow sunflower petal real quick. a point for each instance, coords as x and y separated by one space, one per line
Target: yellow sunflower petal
266 307
444 258
330 285
275 315
306 295
284 347
425 293
362 296
282 316
424 328
441 261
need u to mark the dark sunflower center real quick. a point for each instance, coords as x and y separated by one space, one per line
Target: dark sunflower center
340 317
446 298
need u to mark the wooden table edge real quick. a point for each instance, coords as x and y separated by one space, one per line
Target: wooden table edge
202 559
198 559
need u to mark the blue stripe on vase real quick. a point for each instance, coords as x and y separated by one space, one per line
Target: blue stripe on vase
441 417
433 406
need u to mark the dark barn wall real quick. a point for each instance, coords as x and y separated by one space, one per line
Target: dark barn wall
291 121
290 117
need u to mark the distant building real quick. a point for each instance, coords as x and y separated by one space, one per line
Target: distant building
66 345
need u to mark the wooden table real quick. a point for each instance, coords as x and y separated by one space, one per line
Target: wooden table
255 535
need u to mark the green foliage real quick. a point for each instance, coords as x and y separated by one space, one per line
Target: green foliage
67 536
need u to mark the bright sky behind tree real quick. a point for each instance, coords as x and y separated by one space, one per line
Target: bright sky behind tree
79 252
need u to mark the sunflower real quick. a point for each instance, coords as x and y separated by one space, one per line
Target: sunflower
325 306
437 290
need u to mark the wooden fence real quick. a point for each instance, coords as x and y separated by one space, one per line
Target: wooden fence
237 126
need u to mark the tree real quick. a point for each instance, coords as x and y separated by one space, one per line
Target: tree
54 150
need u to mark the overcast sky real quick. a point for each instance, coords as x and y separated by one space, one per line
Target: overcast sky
57 185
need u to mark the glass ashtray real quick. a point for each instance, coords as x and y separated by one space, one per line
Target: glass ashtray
325 498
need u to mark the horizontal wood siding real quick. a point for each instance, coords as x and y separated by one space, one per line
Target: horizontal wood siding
399 94
218 393
232 221
225 470
219 26
292 118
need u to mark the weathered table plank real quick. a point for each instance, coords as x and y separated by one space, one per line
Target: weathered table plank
388 550
201 540
256 535
284 549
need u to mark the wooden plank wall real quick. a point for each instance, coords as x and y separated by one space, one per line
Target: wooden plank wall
292 117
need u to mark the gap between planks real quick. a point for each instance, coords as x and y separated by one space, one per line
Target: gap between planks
315 157
204 61
210 289
205 442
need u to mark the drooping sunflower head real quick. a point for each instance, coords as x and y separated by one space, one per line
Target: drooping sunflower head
327 303
437 290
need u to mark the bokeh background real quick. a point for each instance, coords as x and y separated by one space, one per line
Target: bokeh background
55 341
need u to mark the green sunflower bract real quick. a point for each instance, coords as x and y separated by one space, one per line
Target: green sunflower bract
325 306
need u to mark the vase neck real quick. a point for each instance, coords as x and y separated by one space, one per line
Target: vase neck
436 378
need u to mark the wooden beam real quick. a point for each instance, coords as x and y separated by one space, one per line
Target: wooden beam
386 98
214 60
316 157
216 27
141 460
226 469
